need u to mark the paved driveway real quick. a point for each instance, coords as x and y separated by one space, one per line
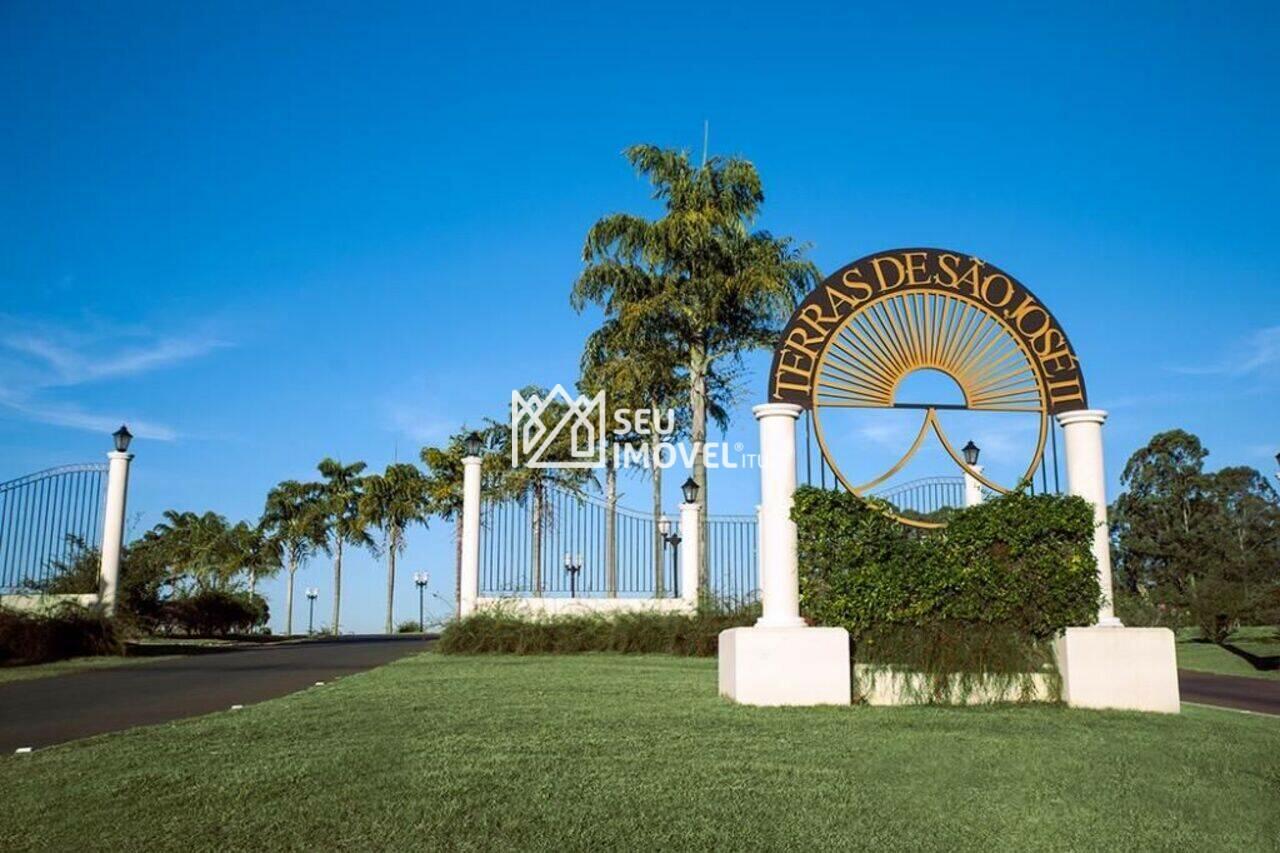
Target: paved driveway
45 711
1229 691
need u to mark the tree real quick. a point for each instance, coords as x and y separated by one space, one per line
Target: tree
392 502
340 496
193 548
294 519
1207 544
247 548
699 272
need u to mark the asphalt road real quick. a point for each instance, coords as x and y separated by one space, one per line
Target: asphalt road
41 712
1245 694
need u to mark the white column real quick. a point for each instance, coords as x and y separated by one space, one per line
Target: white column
1082 432
690 531
470 535
972 488
779 567
113 528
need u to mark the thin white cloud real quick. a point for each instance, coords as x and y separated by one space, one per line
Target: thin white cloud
69 415
70 367
1259 351
40 357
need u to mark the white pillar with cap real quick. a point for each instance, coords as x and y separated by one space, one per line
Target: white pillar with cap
113 519
781 661
1086 477
470 581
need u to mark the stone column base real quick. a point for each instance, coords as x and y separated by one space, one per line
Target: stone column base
785 666
1132 669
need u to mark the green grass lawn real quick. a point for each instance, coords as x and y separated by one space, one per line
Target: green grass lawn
63 667
605 752
1207 657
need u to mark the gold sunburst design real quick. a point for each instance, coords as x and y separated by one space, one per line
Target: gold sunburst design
879 320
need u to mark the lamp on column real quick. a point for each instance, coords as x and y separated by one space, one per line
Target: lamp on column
971 452
690 491
473 444
122 438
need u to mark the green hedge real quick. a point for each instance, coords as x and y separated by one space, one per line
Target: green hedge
502 631
985 593
66 631
212 612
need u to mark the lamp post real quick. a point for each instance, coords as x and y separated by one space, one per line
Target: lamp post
312 595
420 580
972 488
672 541
573 565
690 546
469 575
113 518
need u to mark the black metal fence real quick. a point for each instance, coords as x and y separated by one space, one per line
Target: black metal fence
528 546
925 495
41 517
733 558
559 544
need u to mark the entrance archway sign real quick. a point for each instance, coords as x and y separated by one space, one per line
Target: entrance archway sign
876 321
850 344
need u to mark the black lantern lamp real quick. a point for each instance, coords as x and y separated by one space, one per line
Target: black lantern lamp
690 490
122 438
473 444
971 452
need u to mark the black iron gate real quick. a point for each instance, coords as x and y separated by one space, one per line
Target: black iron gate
46 518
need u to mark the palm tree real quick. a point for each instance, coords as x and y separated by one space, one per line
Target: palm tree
194 547
340 494
716 287
392 502
247 548
294 521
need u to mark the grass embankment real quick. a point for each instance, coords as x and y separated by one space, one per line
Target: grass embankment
1261 642
637 752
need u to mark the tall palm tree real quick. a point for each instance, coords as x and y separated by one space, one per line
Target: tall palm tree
294 519
717 287
392 502
340 493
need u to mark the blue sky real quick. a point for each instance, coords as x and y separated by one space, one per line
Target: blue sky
264 234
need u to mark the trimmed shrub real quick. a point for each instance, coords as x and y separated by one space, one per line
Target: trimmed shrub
408 626
211 612
64 632
985 594
502 631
